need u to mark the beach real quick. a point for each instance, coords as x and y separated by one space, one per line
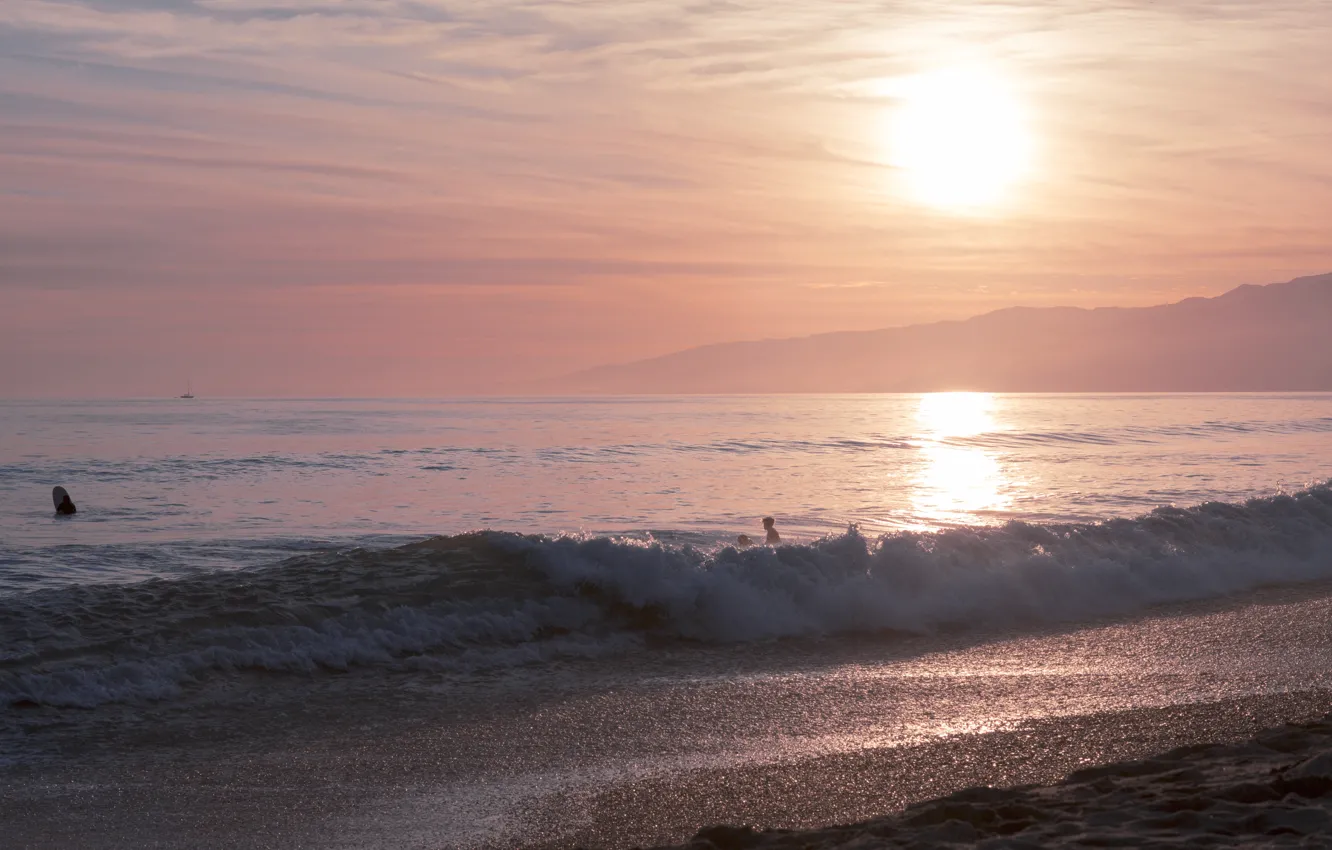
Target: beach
795 737
282 799
1022 601
1269 791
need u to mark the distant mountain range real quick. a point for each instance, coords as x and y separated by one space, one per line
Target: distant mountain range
1254 338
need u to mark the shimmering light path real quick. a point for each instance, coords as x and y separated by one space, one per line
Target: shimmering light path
167 485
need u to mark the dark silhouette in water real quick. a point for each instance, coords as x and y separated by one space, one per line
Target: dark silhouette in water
773 537
64 505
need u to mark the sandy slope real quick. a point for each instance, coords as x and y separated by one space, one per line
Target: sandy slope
648 749
1272 791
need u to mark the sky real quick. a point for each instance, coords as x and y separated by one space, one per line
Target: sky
383 197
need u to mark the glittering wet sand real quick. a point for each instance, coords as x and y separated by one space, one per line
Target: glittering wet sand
649 749
1274 790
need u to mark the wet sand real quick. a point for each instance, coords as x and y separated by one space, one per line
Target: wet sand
650 749
1274 790
348 794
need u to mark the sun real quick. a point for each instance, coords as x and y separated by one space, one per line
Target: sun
960 138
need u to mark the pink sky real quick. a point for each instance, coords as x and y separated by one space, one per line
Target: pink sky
379 197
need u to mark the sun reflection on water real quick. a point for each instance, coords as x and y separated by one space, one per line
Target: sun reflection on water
957 484
943 415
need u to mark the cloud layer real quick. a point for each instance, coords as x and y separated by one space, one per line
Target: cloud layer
362 196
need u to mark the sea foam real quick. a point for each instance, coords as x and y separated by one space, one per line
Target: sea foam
495 599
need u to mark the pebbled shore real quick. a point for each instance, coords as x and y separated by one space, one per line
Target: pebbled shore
1272 791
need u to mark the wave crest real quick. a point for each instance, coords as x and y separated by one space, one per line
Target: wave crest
491 599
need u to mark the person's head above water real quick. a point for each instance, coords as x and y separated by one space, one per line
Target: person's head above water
63 503
768 522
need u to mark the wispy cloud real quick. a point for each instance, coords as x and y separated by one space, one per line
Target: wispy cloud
723 161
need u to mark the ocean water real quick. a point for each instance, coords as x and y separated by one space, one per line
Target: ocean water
299 536
170 487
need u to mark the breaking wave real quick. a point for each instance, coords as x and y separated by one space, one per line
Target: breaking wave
494 599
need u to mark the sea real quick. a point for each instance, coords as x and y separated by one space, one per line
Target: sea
452 561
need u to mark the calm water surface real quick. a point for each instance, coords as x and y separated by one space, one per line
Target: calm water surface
172 484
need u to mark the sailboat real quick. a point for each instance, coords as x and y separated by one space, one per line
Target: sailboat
188 391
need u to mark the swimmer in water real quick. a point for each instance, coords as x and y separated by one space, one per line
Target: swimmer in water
66 505
773 537
743 540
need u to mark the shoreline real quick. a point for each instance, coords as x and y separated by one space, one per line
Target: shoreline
379 793
647 749
871 786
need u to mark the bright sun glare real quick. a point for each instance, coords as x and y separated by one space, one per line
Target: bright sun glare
960 137
957 483
955 414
